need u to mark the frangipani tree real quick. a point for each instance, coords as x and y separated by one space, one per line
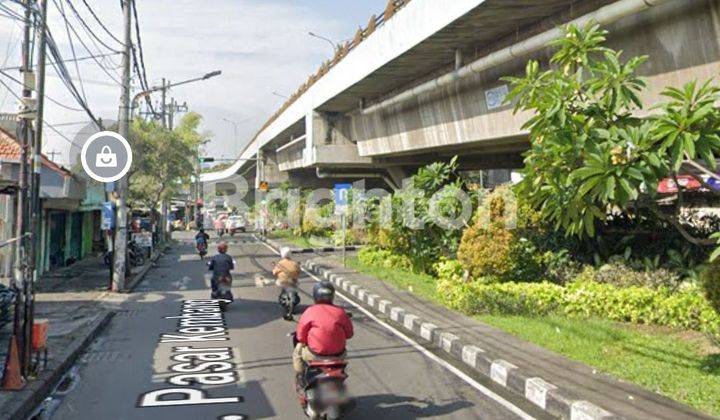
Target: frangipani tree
591 155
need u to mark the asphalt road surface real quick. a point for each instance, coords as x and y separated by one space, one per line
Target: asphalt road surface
124 372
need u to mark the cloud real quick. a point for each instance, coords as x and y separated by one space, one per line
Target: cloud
260 45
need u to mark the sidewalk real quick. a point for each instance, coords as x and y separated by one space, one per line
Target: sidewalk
560 386
71 299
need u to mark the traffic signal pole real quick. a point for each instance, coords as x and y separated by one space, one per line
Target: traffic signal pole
120 266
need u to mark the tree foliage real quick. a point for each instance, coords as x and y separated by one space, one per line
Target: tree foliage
591 156
163 160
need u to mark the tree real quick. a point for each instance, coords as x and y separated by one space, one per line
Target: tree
164 160
591 157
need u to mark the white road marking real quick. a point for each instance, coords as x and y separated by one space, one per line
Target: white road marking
427 353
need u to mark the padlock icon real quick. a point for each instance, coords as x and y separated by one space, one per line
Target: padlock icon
106 158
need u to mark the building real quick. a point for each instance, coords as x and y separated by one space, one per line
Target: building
63 221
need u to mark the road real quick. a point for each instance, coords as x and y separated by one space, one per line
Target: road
390 377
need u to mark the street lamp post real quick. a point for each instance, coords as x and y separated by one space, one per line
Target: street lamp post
165 87
328 40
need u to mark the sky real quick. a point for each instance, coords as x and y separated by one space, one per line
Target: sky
261 47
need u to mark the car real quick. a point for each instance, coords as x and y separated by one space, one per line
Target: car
235 223
687 182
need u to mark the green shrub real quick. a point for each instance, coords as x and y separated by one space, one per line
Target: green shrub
621 275
686 308
352 237
711 285
560 267
311 222
383 258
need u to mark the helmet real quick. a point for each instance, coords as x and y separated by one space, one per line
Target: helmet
323 292
222 247
284 252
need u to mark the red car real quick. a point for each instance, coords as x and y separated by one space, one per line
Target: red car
688 182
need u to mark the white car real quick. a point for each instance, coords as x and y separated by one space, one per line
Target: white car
235 223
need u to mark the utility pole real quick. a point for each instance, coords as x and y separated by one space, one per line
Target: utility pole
169 110
27 109
163 105
120 266
175 107
35 205
51 154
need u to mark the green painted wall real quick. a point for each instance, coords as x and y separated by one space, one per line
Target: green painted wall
88 230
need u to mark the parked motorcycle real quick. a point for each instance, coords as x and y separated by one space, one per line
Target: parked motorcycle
321 390
289 299
136 254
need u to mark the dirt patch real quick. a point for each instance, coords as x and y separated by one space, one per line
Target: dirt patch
706 346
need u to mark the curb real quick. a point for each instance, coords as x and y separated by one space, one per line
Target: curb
550 398
296 250
40 388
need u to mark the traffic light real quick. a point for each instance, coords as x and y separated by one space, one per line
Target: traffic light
206 159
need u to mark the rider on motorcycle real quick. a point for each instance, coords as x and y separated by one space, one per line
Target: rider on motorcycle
286 270
221 265
322 331
201 237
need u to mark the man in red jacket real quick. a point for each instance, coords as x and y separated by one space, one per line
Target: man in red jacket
323 329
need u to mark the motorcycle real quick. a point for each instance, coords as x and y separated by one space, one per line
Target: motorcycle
289 299
322 393
224 292
136 254
201 249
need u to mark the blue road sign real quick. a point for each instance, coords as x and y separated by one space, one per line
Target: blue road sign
108 216
342 194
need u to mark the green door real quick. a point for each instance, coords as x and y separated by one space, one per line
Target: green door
75 243
56 240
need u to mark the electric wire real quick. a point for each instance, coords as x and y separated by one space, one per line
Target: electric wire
102 25
79 38
72 49
18 81
143 77
87 27
89 57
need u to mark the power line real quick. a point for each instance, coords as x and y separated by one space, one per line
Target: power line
10 50
63 136
11 13
18 81
143 76
72 49
62 71
72 28
87 27
139 43
92 12
89 57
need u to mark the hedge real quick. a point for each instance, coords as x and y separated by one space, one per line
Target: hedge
686 308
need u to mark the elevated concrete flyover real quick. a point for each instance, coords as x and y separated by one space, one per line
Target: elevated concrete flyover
426 84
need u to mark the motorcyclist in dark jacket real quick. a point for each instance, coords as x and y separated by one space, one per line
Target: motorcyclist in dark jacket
221 265
202 237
